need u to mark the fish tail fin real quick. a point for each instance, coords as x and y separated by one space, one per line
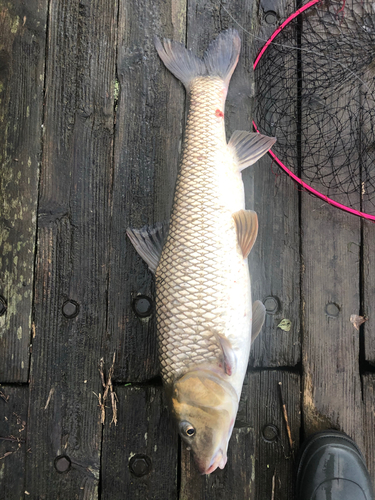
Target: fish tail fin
180 61
222 55
219 60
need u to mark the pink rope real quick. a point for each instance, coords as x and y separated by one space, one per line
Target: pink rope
276 159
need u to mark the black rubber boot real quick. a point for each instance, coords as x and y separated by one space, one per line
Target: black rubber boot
331 467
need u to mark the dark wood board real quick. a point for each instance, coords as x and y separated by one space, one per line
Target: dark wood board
368 242
332 385
275 261
368 291
149 118
369 422
22 53
253 462
73 254
145 441
13 421
331 241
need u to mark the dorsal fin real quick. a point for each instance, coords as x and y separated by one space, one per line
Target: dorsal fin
247 229
149 241
248 147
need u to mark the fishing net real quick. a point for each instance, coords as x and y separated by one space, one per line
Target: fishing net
315 91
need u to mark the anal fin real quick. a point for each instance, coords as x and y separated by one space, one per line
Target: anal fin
230 359
247 229
259 315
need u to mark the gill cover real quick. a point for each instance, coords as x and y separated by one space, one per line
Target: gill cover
205 407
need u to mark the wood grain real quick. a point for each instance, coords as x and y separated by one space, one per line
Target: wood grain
144 432
369 422
13 421
368 311
275 260
22 52
331 242
332 386
73 254
368 241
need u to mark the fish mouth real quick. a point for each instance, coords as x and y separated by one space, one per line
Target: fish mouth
219 460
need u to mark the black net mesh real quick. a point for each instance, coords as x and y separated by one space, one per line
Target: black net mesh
315 91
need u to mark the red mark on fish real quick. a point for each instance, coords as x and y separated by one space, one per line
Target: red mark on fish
219 113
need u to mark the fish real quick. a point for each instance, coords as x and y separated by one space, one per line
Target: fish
205 320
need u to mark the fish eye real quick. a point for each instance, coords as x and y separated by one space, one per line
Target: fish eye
190 431
187 429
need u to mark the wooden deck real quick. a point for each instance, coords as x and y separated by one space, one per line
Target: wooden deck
90 126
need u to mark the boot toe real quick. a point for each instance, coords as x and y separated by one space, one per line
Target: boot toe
331 466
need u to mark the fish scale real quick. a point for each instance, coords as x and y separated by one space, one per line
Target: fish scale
193 253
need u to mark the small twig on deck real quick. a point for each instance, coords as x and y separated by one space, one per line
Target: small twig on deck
101 406
12 439
285 414
114 406
2 396
108 385
101 371
273 485
108 388
49 397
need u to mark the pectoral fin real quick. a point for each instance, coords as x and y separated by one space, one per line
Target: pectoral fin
248 147
247 229
149 241
259 315
230 359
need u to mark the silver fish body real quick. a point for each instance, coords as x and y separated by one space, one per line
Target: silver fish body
203 296
202 280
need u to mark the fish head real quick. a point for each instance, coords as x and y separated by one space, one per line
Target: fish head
205 406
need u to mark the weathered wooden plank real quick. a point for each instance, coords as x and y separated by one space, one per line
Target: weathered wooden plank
368 242
331 242
275 261
22 52
332 386
13 411
369 422
72 259
368 291
149 119
255 467
140 454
